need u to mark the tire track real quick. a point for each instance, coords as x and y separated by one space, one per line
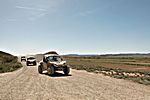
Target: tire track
18 73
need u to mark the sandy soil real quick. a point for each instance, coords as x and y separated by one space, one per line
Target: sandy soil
28 84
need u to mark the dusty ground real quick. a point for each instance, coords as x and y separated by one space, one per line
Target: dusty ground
27 84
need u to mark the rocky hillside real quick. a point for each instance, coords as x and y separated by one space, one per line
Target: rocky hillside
8 62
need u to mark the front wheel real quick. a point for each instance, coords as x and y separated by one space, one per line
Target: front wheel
51 70
40 69
35 63
27 64
66 70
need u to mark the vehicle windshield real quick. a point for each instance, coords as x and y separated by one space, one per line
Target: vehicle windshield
31 58
54 58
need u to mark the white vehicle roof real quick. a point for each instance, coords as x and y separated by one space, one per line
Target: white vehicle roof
30 57
48 55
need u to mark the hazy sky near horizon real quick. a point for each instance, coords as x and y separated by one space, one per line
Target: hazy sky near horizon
75 26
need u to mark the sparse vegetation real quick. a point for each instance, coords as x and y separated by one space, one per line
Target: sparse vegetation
136 69
8 62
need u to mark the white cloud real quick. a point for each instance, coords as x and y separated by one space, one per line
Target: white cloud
33 18
30 8
33 13
11 19
85 13
82 14
88 12
34 9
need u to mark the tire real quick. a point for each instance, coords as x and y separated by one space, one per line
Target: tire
66 70
40 69
27 64
51 70
35 63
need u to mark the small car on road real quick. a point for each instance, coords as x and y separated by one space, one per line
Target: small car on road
31 61
23 58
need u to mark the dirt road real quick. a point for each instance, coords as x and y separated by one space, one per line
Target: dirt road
27 84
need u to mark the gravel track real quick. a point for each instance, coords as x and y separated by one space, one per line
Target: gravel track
28 84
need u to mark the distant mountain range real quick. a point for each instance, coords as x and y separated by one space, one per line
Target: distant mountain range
102 55
126 54
81 55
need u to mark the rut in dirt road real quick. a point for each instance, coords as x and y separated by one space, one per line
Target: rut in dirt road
27 83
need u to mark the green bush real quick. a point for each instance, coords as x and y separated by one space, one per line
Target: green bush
9 63
9 67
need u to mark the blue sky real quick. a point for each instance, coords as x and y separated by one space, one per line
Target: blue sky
75 26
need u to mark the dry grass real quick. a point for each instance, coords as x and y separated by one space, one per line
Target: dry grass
132 68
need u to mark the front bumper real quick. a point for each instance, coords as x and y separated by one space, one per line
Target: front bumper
34 62
59 67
